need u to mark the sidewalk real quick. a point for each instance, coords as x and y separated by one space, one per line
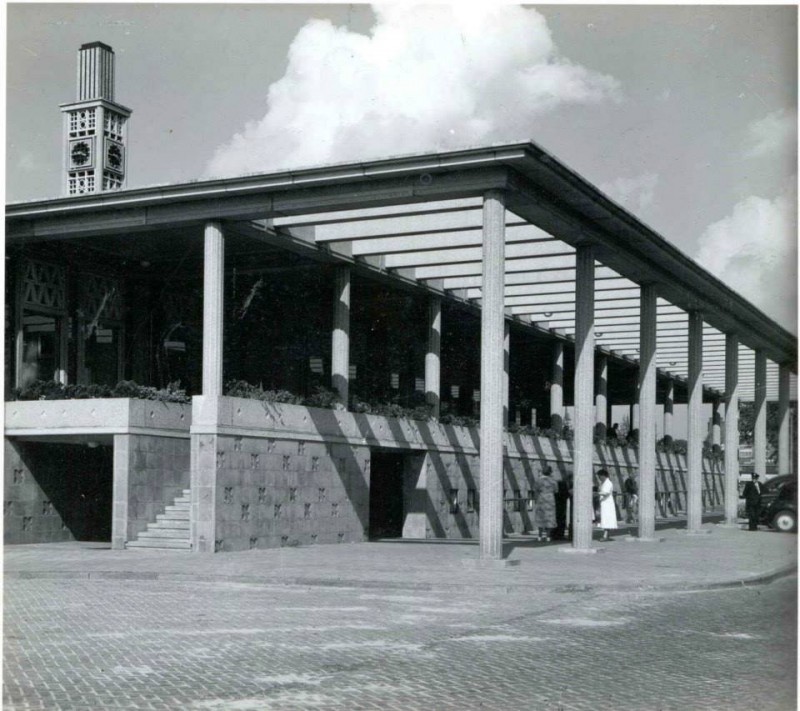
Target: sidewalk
724 557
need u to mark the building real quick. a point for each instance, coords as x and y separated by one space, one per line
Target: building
339 331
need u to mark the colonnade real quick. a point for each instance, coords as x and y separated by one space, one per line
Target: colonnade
590 385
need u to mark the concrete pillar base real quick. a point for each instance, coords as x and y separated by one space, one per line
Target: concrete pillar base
570 549
489 563
637 539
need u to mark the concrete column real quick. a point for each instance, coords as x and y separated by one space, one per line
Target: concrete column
601 396
213 291
784 430
557 387
433 355
731 428
669 402
506 366
492 336
716 423
203 457
584 393
694 456
647 412
19 336
63 350
415 495
760 412
340 349
120 489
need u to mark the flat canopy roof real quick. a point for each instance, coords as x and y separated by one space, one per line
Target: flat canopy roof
417 219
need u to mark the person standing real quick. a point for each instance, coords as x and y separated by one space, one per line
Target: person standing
752 502
563 496
544 489
608 512
631 497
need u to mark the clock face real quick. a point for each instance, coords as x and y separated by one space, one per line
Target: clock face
80 153
114 156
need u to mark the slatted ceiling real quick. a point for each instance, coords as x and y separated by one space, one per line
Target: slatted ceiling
546 288
609 328
378 213
453 255
562 276
523 305
455 222
524 264
443 241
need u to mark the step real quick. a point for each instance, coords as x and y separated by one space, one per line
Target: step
165 533
174 524
173 516
186 500
178 508
160 543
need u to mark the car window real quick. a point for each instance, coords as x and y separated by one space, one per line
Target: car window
775 483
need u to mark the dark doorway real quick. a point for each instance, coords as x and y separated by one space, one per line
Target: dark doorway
386 495
72 490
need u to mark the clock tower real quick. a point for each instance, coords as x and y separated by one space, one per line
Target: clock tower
95 127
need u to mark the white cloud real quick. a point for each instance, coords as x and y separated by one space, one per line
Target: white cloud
426 78
754 251
775 134
634 193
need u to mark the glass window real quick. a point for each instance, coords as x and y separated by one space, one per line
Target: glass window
40 348
101 355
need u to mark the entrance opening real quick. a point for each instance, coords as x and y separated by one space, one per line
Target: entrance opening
71 486
386 495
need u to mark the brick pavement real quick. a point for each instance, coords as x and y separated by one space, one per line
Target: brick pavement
723 557
405 626
157 644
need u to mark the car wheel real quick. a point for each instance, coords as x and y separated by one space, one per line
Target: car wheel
785 521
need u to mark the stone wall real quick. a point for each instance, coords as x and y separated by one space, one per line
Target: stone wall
150 472
274 492
275 475
452 478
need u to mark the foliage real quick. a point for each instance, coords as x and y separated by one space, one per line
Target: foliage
52 390
713 451
674 446
421 413
322 397
241 388
459 420
747 425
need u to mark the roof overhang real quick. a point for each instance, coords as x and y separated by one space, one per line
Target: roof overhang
539 189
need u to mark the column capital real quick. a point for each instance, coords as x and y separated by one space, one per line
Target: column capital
495 194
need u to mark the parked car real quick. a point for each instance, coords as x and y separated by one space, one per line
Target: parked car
779 503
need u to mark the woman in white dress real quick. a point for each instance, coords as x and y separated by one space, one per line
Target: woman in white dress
608 511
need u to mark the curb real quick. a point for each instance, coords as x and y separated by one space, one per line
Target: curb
759 579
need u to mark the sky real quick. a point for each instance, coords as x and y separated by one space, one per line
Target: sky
685 115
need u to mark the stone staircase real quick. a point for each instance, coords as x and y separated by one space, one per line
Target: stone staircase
170 530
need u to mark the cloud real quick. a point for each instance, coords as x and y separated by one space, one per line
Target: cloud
426 78
634 193
754 251
775 134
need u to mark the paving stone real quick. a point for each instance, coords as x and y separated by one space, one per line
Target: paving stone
168 645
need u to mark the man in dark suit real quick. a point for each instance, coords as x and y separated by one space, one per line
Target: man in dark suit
752 502
563 496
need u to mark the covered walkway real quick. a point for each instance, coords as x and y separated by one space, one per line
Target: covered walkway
517 236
